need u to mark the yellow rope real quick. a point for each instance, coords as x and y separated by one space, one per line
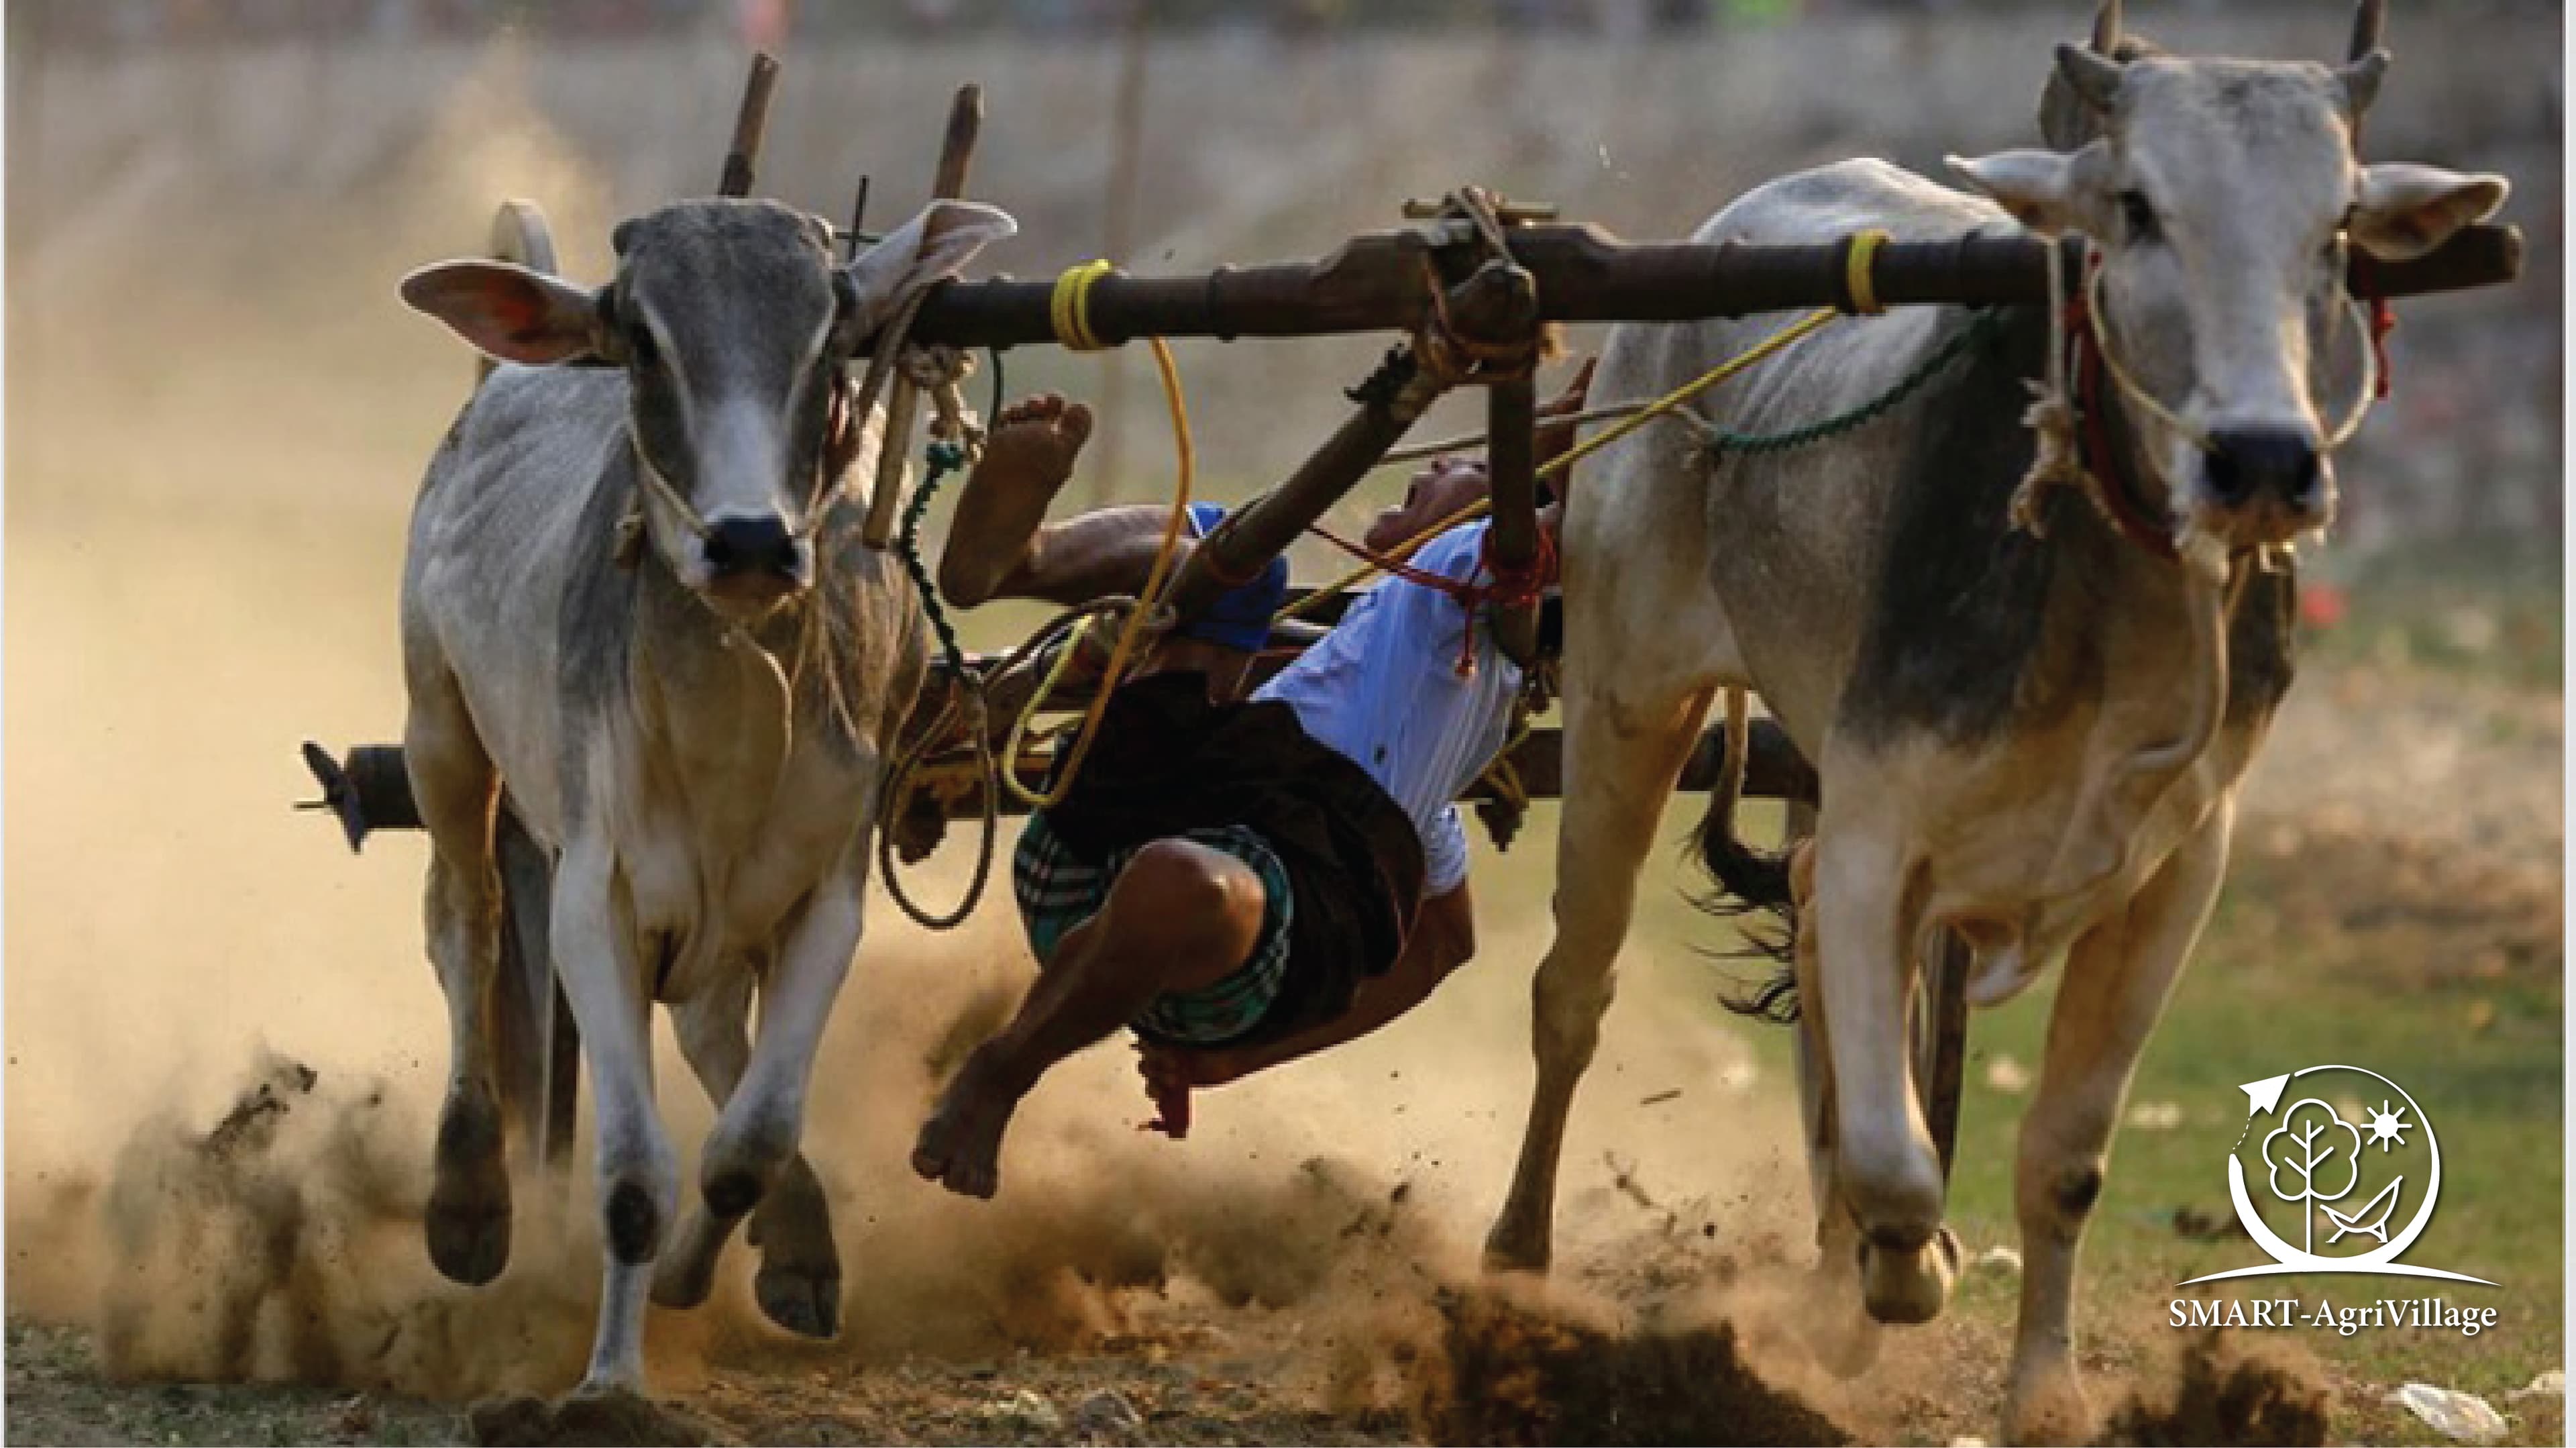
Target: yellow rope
1148 602
1753 356
1069 307
1860 281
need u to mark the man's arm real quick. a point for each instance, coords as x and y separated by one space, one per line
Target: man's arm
1092 556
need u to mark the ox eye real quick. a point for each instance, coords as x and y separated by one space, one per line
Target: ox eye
2138 216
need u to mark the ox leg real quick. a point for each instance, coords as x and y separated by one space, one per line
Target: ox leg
752 1151
639 1181
1843 1336
467 1221
1621 762
799 1285
1889 1176
2116 980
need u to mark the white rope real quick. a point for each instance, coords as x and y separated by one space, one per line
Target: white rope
2146 401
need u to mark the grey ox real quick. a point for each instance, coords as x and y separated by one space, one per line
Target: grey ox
692 720
2034 740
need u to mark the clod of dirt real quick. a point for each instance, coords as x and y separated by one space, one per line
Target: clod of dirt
586 1420
2223 1392
1510 1373
1107 1416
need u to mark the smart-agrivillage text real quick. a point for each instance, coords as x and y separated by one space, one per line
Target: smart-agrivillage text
2415 1312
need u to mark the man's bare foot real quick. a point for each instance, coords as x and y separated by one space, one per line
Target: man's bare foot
960 1146
1028 454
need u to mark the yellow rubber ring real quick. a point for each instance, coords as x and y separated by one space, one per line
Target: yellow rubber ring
1069 308
1858 281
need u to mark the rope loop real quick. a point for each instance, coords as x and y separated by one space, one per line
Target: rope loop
1860 280
1069 308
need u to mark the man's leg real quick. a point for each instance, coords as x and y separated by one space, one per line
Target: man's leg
1180 917
1000 544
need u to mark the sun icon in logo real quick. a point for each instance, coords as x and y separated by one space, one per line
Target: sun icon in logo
2388 1128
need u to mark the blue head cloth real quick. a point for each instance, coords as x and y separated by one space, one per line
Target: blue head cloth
1240 618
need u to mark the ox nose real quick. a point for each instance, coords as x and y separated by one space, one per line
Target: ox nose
746 547
2247 463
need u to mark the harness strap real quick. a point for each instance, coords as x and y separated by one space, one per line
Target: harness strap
2116 490
2383 320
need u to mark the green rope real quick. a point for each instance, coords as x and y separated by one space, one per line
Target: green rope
941 458
1981 327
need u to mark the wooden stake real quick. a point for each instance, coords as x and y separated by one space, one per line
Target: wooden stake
956 156
748 125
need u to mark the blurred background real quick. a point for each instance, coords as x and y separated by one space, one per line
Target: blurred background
218 413
339 142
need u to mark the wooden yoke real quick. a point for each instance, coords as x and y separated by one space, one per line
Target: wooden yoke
903 397
1373 284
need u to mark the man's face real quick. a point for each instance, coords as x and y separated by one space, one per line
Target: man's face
1436 493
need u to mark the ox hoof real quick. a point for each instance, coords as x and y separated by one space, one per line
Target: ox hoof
468 1218
1518 1246
589 1416
1909 1286
804 1300
799 1284
684 1276
2047 1406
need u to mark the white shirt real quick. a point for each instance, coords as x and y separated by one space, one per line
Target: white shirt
1383 690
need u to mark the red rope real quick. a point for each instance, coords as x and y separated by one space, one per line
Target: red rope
2100 459
2383 320
1510 588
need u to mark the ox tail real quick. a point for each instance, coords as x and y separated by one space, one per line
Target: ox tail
1749 882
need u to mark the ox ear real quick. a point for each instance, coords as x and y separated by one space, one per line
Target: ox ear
2403 211
2050 192
944 237
509 312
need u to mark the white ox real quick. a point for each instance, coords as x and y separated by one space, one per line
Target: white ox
693 721
2032 740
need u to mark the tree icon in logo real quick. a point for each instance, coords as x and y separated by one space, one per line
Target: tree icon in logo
2303 1153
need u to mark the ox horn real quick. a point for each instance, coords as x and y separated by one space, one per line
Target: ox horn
2369 20
2106 27
2368 60
2094 77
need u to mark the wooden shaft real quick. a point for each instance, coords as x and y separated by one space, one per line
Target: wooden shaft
948 183
1773 770
957 147
1511 422
1374 283
749 124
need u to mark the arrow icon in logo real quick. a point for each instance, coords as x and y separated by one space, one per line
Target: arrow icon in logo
2261 1096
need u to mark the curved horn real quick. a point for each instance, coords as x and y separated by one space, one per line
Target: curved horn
2096 78
2106 27
2368 21
2360 81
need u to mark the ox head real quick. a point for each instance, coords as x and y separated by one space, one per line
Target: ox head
732 323
2221 196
